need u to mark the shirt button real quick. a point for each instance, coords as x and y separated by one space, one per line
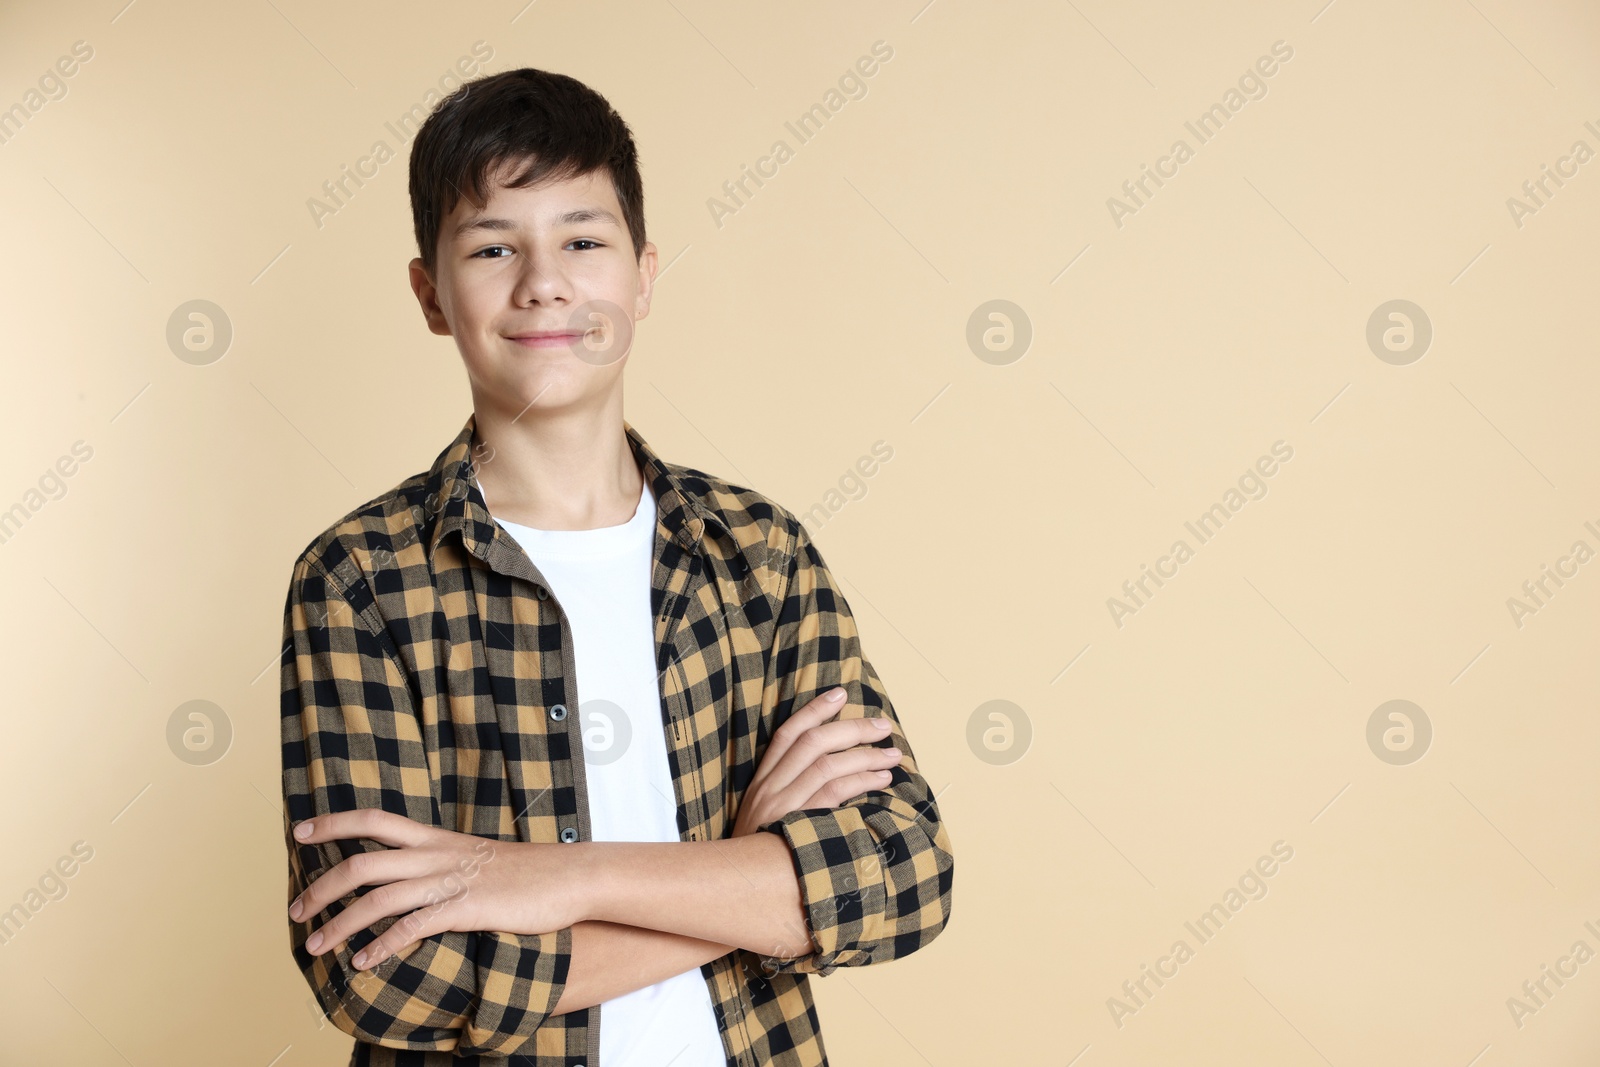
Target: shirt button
558 712
541 592
569 835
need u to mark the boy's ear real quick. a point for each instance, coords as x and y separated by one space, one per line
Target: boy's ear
648 264
428 297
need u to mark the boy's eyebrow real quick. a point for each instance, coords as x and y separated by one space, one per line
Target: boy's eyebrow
568 218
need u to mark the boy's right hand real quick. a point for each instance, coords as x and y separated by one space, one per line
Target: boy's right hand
812 762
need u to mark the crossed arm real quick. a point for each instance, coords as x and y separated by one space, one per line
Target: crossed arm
640 912
609 959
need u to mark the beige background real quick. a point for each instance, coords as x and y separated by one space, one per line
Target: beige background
831 312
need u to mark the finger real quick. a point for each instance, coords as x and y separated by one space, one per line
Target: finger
846 733
394 898
849 787
832 765
433 915
818 710
366 868
838 736
402 934
385 827
826 768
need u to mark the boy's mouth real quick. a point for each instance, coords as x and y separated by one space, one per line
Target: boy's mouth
548 338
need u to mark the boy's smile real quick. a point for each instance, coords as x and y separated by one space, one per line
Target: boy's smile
540 289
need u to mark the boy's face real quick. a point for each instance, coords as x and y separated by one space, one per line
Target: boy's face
540 289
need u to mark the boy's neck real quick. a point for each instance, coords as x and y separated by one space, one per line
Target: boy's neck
565 470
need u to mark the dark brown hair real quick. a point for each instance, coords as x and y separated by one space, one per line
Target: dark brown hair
556 125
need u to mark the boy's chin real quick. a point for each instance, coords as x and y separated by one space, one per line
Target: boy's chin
525 399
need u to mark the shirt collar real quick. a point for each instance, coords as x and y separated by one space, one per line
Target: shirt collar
453 501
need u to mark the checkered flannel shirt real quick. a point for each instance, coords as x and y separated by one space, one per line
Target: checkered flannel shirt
424 666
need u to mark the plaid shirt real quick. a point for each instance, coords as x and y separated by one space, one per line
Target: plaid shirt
427 671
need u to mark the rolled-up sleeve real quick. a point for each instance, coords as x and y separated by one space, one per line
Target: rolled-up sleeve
876 872
351 738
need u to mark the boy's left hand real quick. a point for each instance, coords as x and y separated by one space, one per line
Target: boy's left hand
439 880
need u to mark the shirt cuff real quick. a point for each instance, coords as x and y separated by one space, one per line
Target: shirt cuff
841 876
520 979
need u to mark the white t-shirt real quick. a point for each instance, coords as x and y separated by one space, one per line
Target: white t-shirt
601 579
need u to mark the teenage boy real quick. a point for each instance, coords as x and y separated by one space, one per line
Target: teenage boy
481 866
